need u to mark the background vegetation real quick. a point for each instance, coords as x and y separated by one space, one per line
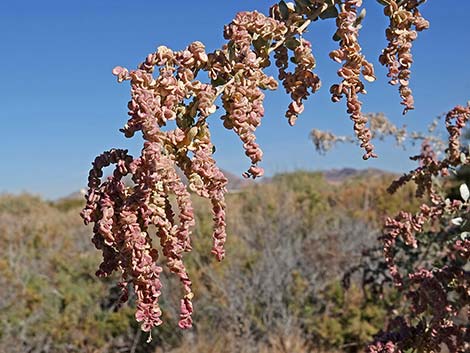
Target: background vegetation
280 289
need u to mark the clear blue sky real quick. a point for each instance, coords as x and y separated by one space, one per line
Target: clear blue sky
61 106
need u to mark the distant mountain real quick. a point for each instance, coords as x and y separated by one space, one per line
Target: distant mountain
338 176
237 183
74 196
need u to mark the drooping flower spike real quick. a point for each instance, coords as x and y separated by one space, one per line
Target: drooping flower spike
170 106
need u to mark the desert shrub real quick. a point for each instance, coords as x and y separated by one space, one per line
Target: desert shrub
283 255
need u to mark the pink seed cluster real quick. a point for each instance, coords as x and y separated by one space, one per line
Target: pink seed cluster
397 57
123 215
354 63
300 83
437 294
170 105
242 96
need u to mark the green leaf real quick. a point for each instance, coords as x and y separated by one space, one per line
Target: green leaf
260 43
284 10
457 221
360 18
383 2
185 121
463 158
336 37
231 51
330 12
302 3
292 43
217 82
464 192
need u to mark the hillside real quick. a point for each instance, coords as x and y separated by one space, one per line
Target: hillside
237 183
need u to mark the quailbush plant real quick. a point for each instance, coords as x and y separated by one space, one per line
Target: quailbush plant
180 88
439 292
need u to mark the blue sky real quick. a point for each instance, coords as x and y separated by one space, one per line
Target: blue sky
61 106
